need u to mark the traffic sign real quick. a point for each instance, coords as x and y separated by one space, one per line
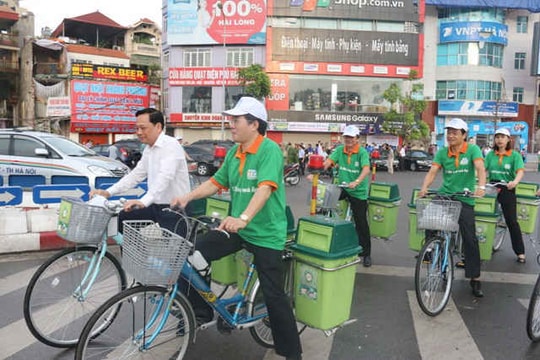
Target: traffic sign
47 194
11 195
136 193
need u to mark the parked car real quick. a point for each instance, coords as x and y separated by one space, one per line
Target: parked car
209 143
130 151
102 149
382 162
417 160
24 152
203 157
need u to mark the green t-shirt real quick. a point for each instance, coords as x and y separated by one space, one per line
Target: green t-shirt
268 228
506 169
458 175
350 167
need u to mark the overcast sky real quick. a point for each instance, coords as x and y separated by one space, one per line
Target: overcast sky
125 12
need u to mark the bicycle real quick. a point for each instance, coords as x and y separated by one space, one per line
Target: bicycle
143 323
328 201
70 285
434 269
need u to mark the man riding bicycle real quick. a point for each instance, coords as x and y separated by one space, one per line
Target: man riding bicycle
253 172
458 162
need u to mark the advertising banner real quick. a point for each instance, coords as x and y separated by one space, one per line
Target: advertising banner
478 108
486 31
203 76
390 10
89 71
58 106
98 106
208 22
360 47
279 98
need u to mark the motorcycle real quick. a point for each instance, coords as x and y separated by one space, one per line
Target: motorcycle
291 174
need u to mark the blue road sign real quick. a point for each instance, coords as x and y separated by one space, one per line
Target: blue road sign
11 195
47 194
136 193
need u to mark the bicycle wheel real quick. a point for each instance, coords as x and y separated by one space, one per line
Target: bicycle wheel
142 328
54 309
433 276
533 313
500 234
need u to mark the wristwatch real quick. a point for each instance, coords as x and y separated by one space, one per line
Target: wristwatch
244 218
482 187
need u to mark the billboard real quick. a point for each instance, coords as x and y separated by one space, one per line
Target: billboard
203 76
343 46
99 106
206 22
89 71
478 108
388 10
486 31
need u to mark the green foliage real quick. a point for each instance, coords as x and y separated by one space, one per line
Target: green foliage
255 81
404 118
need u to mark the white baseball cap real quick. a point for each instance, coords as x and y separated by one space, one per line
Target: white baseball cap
351 130
503 131
179 138
457 123
248 105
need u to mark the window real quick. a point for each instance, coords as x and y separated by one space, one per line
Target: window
197 99
4 145
519 61
23 146
232 95
468 90
240 57
486 54
517 94
197 57
522 23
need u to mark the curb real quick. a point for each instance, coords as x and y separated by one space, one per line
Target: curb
47 240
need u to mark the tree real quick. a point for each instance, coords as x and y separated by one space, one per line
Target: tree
404 118
255 81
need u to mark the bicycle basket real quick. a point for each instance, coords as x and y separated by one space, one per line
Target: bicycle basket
153 255
327 195
80 222
437 214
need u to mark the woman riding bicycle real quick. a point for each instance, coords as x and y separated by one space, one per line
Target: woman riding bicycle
459 160
506 165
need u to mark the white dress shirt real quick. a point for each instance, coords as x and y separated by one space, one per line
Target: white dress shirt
164 166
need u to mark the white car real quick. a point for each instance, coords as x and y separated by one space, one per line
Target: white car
24 152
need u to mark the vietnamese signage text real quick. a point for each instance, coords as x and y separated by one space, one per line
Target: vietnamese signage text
203 76
485 31
478 108
89 71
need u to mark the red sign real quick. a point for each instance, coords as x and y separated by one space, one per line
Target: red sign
279 99
89 71
106 106
190 117
203 76
235 22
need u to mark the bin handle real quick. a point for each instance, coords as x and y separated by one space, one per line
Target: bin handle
357 261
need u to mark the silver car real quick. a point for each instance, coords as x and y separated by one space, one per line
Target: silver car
47 155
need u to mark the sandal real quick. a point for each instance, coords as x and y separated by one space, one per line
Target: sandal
521 260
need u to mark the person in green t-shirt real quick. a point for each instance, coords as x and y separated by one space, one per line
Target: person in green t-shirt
506 165
253 173
353 168
458 162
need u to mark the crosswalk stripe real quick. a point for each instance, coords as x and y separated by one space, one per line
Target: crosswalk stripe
487 276
16 281
447 330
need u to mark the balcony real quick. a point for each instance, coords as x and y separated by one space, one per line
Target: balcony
9 41
146 49
9 66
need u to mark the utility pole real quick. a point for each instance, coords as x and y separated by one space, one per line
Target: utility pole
26 92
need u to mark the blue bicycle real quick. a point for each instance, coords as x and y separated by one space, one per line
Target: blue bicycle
154 319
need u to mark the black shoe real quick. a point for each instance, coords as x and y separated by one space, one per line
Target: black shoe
367 261
460 264
296 357
428 256
477 288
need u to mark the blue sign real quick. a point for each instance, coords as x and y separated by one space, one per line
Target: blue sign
478 108
481 31
135 193
11 195
47 194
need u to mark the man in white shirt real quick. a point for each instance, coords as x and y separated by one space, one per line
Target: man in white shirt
163 164
114 153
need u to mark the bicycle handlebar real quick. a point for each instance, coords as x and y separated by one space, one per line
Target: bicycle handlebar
212 222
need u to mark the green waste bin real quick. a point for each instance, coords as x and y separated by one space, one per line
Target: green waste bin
526 189
416 237
323 286
527 212
243 259
383 209
486 226
326 235
224 269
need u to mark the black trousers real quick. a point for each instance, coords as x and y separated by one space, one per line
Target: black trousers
271 271
507 199
471 251
360 216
